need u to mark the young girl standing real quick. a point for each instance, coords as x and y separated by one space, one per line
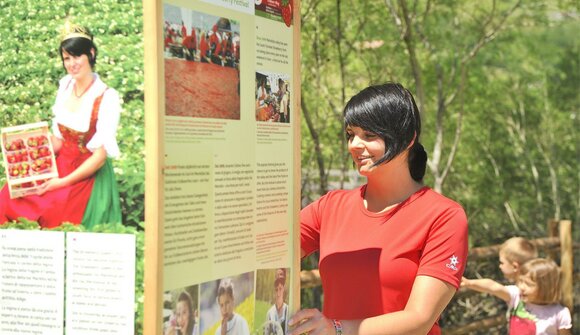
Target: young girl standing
534 301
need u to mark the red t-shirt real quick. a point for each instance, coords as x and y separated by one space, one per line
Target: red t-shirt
214 39
188 42
203 47
369 261
218 49
193 38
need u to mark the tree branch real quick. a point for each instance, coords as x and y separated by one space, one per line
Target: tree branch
484 39
458 129
415 66
317 147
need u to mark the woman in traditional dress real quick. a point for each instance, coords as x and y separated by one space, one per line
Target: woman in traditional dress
84 128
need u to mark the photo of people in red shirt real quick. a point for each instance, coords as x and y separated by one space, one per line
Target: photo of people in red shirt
202 60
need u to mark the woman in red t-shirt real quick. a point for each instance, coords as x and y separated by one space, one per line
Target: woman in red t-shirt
392 252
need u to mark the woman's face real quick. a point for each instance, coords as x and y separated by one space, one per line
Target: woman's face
365 147
226 306
183 314
528 289
77 66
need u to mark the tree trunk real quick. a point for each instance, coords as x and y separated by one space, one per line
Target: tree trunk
317 149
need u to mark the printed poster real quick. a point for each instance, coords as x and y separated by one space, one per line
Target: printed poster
36 297
229 137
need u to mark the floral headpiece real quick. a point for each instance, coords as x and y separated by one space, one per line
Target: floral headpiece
71 30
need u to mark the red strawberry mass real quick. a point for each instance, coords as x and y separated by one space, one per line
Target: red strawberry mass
286 8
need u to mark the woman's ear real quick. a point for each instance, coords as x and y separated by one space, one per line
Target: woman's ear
92 54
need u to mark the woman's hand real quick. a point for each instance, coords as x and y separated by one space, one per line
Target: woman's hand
312 322
51 185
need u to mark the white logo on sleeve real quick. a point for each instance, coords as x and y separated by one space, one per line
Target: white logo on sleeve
453 261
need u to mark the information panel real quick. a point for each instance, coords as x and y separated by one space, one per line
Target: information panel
226 91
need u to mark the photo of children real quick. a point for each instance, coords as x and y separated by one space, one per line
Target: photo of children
272 97
202 58
272 312
227 305
181 311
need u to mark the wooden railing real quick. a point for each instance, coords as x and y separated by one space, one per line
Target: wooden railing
559 240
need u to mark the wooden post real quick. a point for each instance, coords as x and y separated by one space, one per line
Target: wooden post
552 232
567 264
553 228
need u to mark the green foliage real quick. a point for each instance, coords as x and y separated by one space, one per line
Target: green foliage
510 76
262 308
516 163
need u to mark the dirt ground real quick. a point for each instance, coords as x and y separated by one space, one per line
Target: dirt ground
201 90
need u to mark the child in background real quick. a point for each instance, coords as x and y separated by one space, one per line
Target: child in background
534 301
512 254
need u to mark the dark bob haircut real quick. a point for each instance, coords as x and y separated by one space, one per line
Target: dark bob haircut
389 110
77 46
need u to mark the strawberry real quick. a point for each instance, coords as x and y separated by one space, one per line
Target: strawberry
42 140
522 326
522 322
43 152
286 6
32 142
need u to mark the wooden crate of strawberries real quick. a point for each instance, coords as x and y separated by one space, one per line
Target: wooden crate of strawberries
28 158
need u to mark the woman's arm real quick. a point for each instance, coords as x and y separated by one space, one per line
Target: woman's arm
486 285
56 143
85 170
429 297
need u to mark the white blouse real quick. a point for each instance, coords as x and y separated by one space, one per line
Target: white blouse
108 119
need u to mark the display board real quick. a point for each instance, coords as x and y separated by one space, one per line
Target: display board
222 87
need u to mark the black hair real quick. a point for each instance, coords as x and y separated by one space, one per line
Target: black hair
77 46
389 111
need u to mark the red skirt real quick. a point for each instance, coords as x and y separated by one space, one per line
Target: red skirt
66 204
